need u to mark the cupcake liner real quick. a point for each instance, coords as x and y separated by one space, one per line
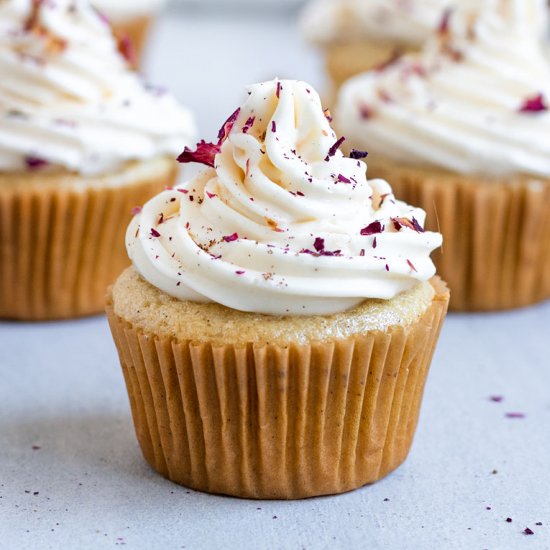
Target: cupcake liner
62 246
276 421
496 250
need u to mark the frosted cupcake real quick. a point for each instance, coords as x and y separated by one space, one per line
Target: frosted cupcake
463 129
278 323
82 142
131 19
358 35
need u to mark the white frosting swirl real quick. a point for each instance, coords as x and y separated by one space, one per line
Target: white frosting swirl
474 101
68 97
284 224
120 11
405 22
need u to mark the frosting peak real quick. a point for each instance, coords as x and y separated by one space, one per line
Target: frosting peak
72 105
475 100
281 222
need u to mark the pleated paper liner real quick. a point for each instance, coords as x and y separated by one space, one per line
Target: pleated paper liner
269 421
496 250
62 238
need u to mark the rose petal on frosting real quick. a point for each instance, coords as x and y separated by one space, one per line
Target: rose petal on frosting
248 124
225 130
35 163
334 148
535 104
445 23
372 229
126 48
205 153
413 224
231 238
358 155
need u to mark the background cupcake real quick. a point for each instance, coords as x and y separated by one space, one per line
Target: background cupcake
82 141
278 325
463 129
358 35
131 20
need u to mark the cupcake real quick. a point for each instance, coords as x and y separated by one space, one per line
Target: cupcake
82 142
358 35
463 130
131 20
278 323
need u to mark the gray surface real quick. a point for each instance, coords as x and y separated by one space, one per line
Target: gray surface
61 389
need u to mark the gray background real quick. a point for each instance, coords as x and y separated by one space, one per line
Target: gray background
86 486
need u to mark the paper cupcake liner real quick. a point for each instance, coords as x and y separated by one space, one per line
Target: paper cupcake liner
60 248
278 422
496 251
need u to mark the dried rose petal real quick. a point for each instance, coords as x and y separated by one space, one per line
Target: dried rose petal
225 130
136 210
273 126
126 48
231 238
445 23
411 265
496 398
319 244
515 415
372 229
248 124
534 104
54 44
204 154
104 19
279 88
416 226
358 155
334 148
343 179
240 272
365 112
413 224
528 531
328 114
154 232
35 163
211 195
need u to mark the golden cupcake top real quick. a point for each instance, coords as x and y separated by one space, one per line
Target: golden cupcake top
280 221
69 98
